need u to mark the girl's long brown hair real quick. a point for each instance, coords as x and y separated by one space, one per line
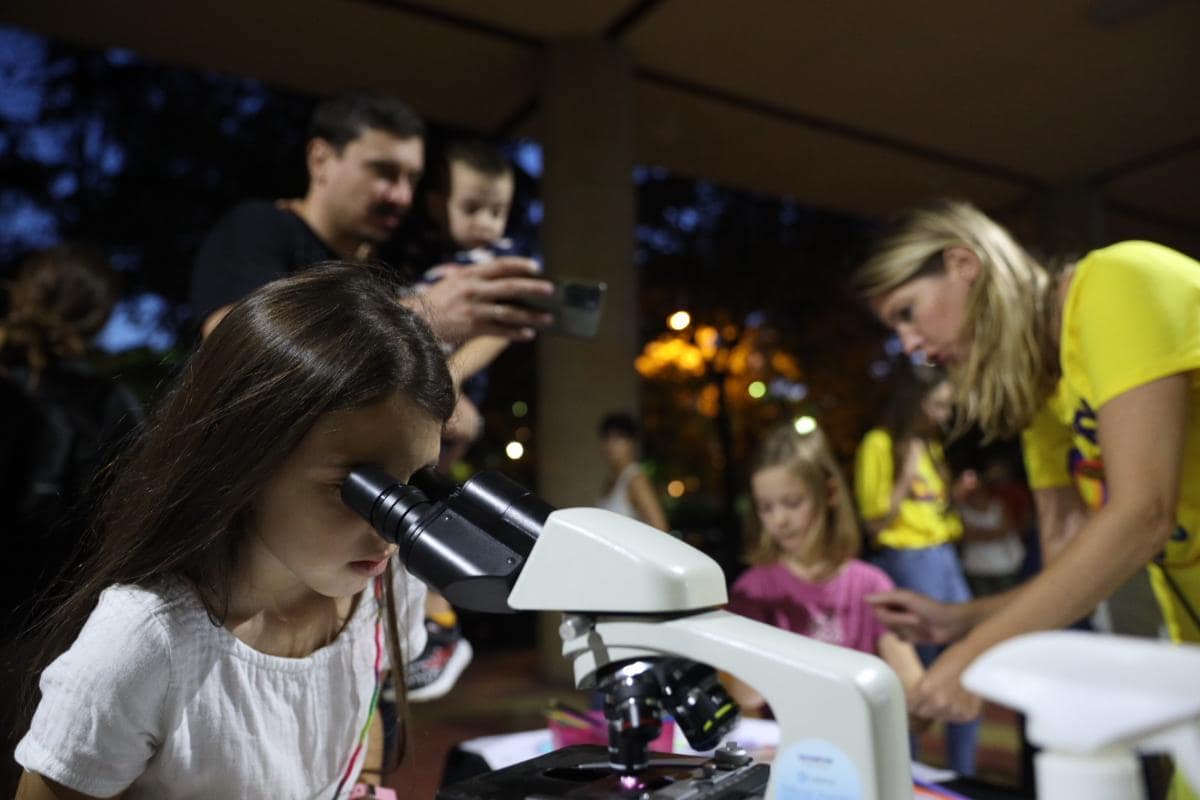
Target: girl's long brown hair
330 338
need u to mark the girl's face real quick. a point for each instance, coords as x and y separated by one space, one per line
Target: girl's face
929 312
785 507
304 539
938 405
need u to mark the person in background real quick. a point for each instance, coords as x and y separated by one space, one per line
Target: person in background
60 420
1099 368
903 488
804 575
992 548
627 489
229 636
60 423
365 155
467 201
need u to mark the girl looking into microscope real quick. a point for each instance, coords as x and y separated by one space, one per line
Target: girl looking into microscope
804 575
230 635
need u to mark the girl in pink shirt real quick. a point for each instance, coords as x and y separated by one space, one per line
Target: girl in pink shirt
803 574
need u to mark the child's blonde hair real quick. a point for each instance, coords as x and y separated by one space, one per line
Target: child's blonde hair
808 457
1010 369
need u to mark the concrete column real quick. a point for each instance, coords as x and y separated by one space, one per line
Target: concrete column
588 232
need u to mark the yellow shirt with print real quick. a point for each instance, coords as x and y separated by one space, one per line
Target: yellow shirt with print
1132 316
924 518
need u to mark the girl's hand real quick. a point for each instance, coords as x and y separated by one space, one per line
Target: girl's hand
916 618
940 694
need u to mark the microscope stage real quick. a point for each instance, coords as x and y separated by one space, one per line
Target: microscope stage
582 771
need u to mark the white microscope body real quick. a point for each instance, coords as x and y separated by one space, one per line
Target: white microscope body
628 591
1092 702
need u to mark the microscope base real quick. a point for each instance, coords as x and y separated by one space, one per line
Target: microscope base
582 771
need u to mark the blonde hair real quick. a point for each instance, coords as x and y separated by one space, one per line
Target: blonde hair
1009 369
809 458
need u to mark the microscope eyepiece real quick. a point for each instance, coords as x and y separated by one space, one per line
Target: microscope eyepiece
467 542
384 502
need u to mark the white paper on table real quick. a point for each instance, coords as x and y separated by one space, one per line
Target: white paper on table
506 749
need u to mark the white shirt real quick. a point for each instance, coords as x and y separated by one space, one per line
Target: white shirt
995 557
155 700
617 500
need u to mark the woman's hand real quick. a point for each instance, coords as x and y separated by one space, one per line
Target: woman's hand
916 618
940 694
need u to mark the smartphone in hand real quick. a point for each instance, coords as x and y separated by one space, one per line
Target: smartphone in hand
576 305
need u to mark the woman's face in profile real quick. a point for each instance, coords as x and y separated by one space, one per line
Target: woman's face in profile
929 312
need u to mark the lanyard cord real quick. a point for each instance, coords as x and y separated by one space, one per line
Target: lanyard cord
362 736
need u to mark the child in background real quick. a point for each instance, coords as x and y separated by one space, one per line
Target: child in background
627 487
992 549
229 636
903 488
804 576
468 200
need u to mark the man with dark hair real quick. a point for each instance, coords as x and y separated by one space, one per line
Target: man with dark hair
365 154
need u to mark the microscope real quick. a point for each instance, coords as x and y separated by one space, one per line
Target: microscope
643 625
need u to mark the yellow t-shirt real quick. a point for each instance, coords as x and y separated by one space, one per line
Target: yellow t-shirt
1132 316
925 518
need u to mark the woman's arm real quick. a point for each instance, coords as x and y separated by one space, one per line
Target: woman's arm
36 787
1141 436
914 617
645 503
1060 515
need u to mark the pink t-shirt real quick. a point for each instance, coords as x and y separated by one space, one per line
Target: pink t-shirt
832 611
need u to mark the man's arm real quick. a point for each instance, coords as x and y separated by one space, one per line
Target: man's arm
474 355
483 301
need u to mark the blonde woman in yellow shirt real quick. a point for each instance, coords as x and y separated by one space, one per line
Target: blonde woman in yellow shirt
1099 368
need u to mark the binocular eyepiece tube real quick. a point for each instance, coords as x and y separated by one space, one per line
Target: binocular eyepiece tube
467 542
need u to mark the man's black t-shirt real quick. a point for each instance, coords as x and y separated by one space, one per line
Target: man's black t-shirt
252 245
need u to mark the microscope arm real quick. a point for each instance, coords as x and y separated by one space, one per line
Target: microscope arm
631 591
634 592
834 705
